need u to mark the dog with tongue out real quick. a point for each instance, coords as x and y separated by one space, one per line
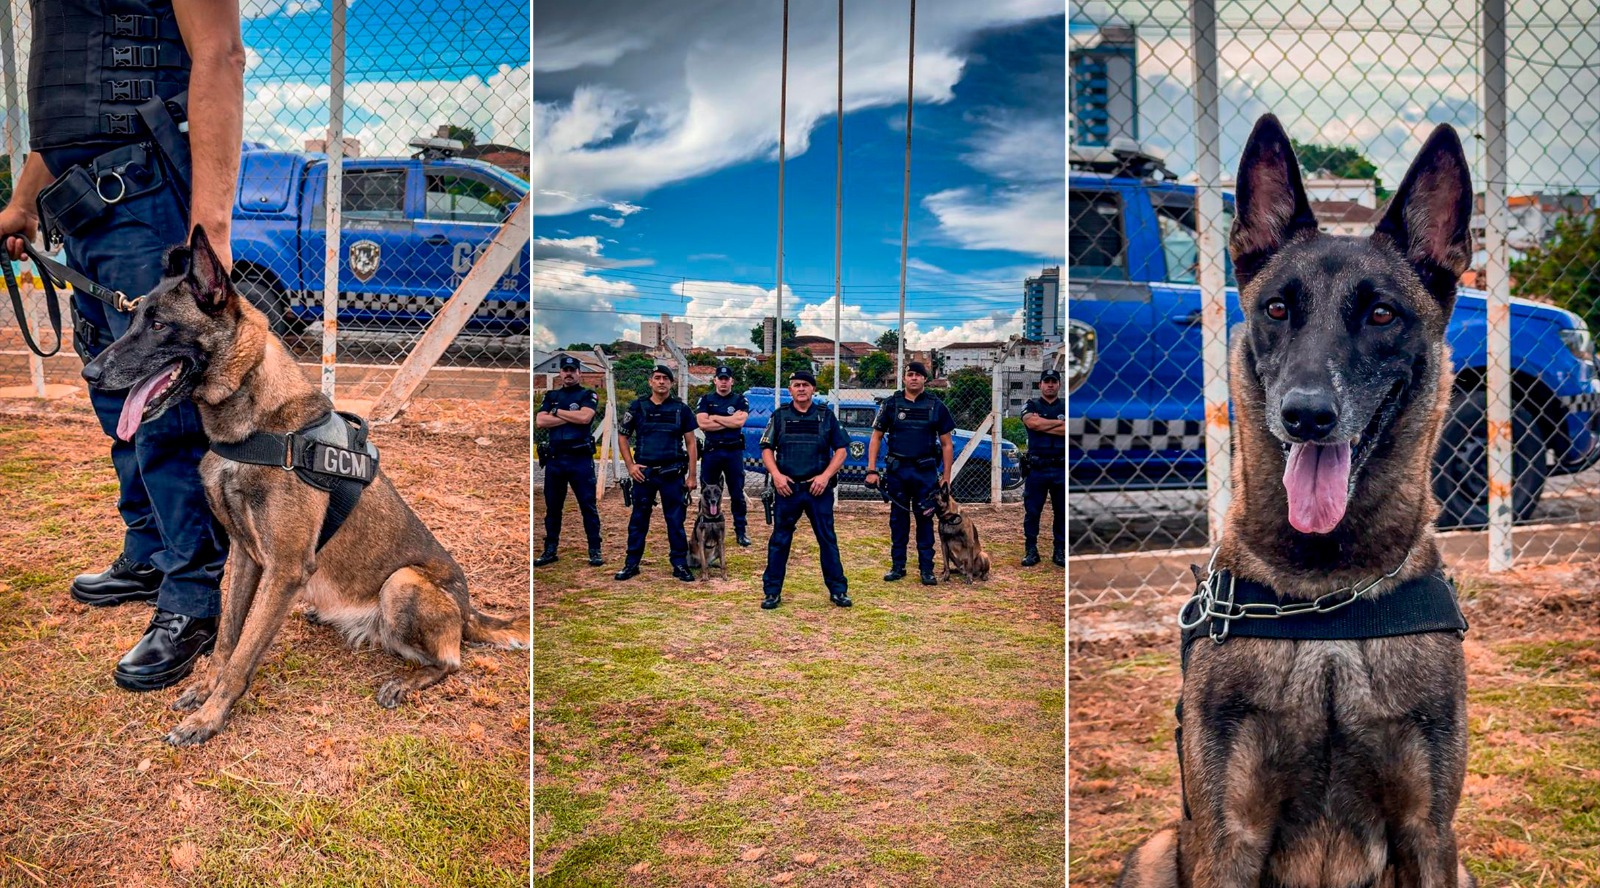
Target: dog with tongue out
1332 756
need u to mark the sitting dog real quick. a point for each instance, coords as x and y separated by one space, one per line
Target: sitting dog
960 539
1327 749
705 545
380 577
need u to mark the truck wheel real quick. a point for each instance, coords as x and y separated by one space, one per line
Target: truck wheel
1461 467
266 295
972 482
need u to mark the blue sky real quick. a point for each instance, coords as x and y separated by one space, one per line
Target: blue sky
656 176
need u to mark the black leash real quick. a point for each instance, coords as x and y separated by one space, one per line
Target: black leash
53 274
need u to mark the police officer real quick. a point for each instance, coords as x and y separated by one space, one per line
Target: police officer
568 459
1045 418
721 414
118 179
919 427
660 459
803 447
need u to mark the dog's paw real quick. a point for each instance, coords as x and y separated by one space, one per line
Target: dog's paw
313 617
192 697
192 731
392 694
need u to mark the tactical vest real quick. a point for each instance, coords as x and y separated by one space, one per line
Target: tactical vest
1043 447
93 62
570 437
721 439
803 450
659 438
912 436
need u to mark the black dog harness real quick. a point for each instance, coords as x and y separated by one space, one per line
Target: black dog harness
331 453
1225 606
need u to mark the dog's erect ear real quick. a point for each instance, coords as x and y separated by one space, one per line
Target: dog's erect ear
205 271
1271 207
1427 219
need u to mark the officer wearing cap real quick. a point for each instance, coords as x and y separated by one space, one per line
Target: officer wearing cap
803 447
1045 418
118 181
567 413
721 414
660 458
918 426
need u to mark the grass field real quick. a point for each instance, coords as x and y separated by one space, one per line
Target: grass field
311 783
1530 812
683 736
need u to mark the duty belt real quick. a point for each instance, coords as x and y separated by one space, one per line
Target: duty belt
53 274
330 453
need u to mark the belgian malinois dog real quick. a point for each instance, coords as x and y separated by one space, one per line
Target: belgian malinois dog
705 544
381 578
1329 763
960 540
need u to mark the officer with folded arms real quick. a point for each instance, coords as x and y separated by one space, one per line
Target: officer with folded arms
918 426
1045 418
803 447
568 414
721 415
660 457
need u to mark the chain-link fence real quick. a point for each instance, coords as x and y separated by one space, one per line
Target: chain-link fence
1162 97
416 118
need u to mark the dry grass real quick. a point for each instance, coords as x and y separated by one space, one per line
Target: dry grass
686 737
311 783
1530 813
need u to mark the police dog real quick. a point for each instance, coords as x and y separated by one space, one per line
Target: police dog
705 545
959 538
1329 764
382 578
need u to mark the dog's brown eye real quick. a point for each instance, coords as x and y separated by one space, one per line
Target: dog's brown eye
157 325
1381 315
1278 310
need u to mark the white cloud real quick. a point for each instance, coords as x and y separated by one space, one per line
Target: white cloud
570 303
252 9
625 209
607 220
1024 219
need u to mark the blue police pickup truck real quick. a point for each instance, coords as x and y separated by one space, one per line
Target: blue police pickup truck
1135 368
411 229
972 484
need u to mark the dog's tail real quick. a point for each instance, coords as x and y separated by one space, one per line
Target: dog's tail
501 632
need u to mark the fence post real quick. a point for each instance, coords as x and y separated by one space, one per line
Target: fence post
334 200
683 368
1499 319
997 410
13 137
608 432
1212 272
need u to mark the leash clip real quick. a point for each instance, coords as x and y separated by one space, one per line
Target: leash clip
124 304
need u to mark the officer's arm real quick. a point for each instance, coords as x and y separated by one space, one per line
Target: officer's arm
1057 427
543 420
210 30
21 215
581 416
872 449
736 421
1033 421
694 455
706 422
949 454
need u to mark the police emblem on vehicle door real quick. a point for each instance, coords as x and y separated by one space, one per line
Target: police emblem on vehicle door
364 257
857 449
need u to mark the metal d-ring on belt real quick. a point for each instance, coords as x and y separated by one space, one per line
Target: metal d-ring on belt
54 274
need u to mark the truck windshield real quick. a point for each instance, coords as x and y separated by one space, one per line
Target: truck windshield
857 417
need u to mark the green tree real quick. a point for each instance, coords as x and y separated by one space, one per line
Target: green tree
1345 163
579 346
633 372
759 338
969 396
792 359
1014 431
1565 269
701 357
889 340
465 135
874 368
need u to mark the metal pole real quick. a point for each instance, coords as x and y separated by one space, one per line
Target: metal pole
838 219
905 206
783 129
334 202
1499 319
13 138
997 410
1212 277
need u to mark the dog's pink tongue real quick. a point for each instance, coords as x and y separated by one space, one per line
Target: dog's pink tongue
1317 479
133 407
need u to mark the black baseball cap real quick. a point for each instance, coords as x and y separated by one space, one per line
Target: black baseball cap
1051 375
664 370
917 367
725 370
568 362
804 376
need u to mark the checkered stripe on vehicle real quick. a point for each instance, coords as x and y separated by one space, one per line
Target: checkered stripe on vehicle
1135 434
1589 402
500 309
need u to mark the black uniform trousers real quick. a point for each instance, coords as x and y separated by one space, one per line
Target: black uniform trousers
1044 481
726 467
910 486
673 508
574 470
786 512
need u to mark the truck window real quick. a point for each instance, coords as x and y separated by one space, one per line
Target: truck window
370 194
457 198
1096 247
1180 242
857 417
